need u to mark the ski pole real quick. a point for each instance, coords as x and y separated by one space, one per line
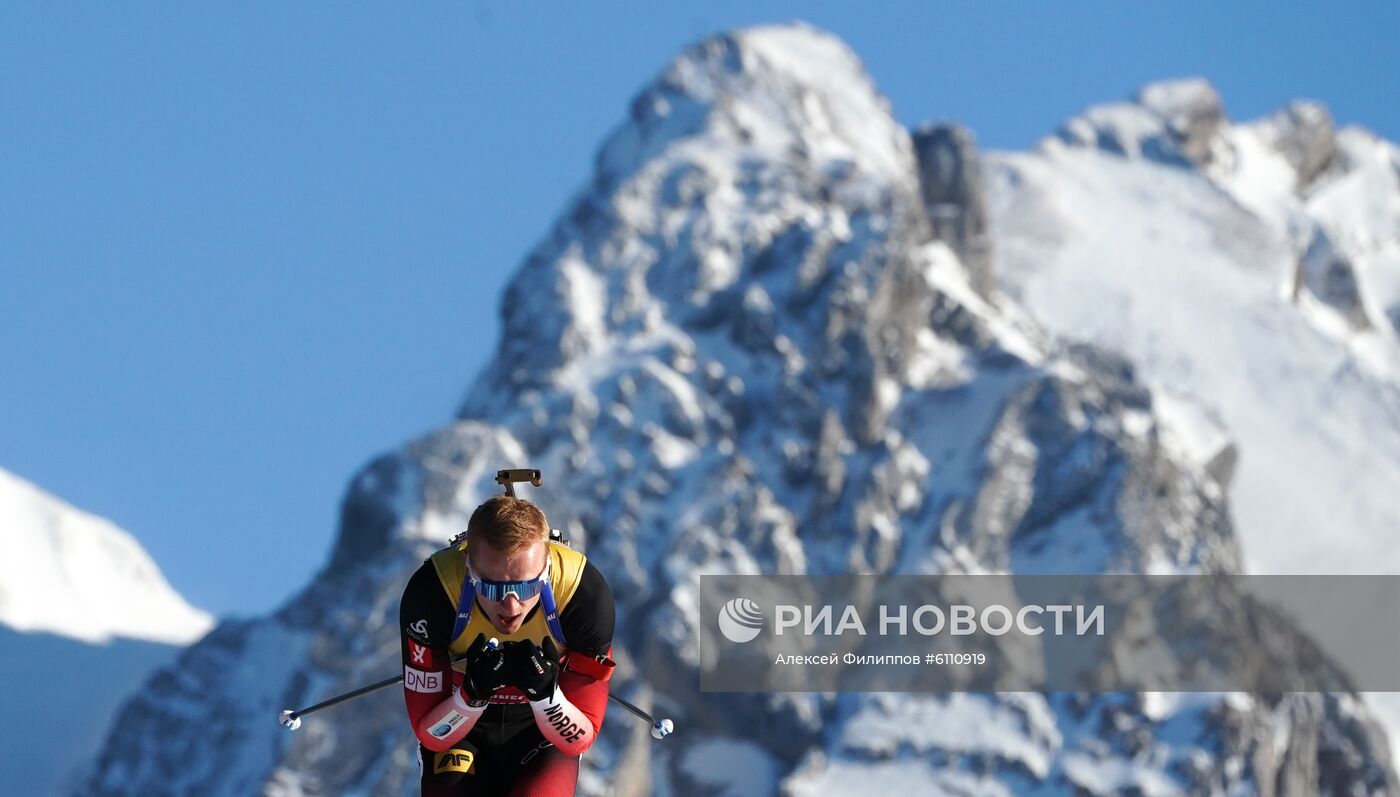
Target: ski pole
660 729
292 719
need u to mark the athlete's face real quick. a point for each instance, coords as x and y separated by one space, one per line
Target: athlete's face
508 615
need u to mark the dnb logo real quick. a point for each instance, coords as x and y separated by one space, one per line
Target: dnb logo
740 620
454 761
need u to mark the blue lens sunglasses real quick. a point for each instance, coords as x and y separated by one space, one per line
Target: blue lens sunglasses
498 590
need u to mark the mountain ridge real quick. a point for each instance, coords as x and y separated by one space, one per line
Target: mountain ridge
68 572
80 602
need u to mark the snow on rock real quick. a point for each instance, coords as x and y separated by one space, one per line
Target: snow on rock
1303 134
1265 282
1192 112
1175 122
1330 198
1359 208
950 180
903 776
1330 281
1195 433
1018 729
730 768
1158 263
67 572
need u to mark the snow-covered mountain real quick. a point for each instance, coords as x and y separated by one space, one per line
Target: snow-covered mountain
85 617
1251 268
766 338
76 575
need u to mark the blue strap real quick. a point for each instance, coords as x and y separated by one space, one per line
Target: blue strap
551 615
466 601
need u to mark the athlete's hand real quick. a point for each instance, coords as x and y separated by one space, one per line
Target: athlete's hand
486 670
532 669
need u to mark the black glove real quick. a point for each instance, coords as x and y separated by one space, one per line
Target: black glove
532 669
486 670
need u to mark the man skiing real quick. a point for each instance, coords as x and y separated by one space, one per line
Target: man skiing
531 641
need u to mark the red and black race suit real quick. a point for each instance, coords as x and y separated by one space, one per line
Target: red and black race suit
504 753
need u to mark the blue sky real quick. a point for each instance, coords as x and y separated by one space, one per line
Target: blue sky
244 248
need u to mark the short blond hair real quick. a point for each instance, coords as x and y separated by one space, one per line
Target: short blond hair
508 524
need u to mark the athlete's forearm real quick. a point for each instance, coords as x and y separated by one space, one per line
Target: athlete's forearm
563 724
425 615
448 722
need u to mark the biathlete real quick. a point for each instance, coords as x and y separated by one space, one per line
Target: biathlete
529 624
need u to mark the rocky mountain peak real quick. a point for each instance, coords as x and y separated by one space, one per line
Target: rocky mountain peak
759 189
71 573
1183 122
954 196
1173 121
777 92
1191 112
1303 133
